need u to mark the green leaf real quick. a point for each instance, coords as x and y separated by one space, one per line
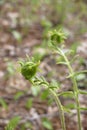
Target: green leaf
80 77
17 36
45 94
29 103
39 53
83 92
66 109
18 95
45 23
13 123
70 106
73 59
74 48
10 68
47 124
54 85
35 90
26 125
50 101
80 72
3 103
83 108
66 94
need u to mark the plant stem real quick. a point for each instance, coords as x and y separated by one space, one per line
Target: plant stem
57 100
75 88
61 111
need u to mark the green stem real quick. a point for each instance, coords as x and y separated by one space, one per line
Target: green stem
75 88
61 111
57 100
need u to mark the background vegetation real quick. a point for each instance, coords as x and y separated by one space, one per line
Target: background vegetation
24 27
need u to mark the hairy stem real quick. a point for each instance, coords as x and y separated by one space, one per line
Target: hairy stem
75 88
61 111
57 100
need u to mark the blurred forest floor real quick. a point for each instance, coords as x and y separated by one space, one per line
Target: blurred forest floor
23 30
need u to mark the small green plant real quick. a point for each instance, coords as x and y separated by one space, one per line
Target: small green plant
3 103
10 71
47 124
17 36
13 123
29 71
27 125
18 95
29 103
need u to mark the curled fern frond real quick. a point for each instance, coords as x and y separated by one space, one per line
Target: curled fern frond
29 68
57 37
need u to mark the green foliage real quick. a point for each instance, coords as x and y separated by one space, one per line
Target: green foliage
13 123
29 103
82 92
39 53
18 95
3 103
10 69
35 90
74 47
45 94
66 94
17 36
71 106
57 37
55 85
45 23
74 76
80 77
29 68
27 125
47 124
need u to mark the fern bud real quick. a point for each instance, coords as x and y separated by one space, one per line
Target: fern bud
29 69
57 37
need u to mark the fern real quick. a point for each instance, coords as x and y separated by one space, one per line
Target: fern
13 123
